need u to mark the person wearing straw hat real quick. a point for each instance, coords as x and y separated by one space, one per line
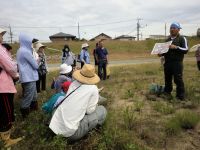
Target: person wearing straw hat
173 66
28 75
79 112
84 55
8 72
42 70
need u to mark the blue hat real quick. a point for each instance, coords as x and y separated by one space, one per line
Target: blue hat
175 25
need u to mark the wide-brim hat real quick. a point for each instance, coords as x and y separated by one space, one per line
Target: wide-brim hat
86 75
2 31
65 69
84 45
39 45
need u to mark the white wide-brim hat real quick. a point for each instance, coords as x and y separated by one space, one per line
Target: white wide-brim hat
39 45
86 75
2 31
64 69
84 45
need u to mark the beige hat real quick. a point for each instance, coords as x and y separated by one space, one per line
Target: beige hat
84 45
39 45
64 69
86 75
2 31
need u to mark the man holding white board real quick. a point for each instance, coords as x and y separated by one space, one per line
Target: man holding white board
173 66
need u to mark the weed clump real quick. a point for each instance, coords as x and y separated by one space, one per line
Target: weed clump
129 117
163 108
182 120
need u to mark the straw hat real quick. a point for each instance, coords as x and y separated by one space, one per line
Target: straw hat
84 45
2 31
64 69
39 45
86 75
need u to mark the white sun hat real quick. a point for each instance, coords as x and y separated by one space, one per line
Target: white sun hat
84 45
64 69
2 31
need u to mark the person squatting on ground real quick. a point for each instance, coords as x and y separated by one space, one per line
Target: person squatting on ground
43 69
65 75
8 72
79 112
197 54
68 57
55 99
173 66
28 75
102 60
84 55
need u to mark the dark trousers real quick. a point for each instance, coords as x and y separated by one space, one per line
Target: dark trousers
174 70
198 65
102 67
41 81
6 111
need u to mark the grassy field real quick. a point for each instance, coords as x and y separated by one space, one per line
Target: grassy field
137 119
118 50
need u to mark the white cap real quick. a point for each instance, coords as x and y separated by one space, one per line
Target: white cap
2 31
84 45
38 46
64 69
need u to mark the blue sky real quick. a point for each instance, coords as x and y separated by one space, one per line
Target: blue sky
114 17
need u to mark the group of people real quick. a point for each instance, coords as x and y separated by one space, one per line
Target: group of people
100 54
75 109
30 69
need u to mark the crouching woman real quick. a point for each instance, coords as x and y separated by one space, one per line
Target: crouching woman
79 112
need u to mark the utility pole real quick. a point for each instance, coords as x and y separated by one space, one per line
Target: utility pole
79 32
138 28
11 34
165 30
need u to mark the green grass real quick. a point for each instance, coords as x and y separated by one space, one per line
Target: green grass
118 50
125 128
182 120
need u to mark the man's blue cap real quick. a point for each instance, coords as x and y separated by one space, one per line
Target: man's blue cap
175 25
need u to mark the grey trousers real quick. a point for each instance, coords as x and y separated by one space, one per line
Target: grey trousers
89 122
29 94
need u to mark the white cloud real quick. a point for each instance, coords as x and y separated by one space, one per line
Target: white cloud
66 13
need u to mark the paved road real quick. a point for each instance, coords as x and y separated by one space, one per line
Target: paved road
126 62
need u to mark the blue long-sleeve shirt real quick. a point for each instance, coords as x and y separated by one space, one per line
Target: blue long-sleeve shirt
85 56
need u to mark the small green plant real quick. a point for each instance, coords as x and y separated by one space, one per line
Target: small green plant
172 127
129 118
129 94
138 105
188 119
182 120
163 108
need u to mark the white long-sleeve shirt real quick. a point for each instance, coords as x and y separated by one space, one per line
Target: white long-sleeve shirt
68 115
